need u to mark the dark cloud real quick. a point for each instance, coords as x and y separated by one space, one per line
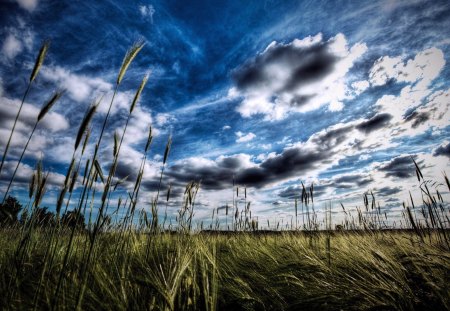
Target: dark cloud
401 167
331 138
352 181
417 118
443 150
391 203
374 123
291 162
300 100
24 174
211 177
297 160
299 76
295 192
291 192
231 163
305 65
355 180
131 170
123 170
388 191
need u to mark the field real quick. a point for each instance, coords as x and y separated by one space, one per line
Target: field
140 261
242 271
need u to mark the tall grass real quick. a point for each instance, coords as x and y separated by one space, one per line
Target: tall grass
247 271
37 66
44 110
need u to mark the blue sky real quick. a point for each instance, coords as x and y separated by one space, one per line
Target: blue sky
268 93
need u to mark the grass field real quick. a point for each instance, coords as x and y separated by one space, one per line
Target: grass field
242 271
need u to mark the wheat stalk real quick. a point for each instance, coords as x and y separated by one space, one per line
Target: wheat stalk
39 60
85 123
37 66
42 113
129 56
138 93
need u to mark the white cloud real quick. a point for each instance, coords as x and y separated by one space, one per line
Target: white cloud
23 177
147 11
303 43
301 76
131 158
29 5
384 69
163 118
52 121
360 86
79 87
415 110
42 139
364 157
425 67
410 114
264 156
226 127
244 138
138 126
232 93
434 114
336 106
11 47
254 105
84 89
18 38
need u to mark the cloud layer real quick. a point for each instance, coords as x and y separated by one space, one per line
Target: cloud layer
300 76
347 109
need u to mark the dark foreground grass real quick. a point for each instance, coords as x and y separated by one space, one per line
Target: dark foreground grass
361 271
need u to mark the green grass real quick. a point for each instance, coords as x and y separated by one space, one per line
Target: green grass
244 271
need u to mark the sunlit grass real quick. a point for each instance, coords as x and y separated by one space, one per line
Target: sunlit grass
392 270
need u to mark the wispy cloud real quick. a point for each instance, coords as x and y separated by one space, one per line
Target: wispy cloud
243 138
29 5
11 46
17 40
147 11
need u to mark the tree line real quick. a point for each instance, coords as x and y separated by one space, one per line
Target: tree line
12 213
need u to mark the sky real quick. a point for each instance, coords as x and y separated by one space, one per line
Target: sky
262 94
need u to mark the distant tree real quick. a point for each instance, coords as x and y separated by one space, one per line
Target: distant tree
339 227
44 217
73 219
9 211
24 217
105 225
